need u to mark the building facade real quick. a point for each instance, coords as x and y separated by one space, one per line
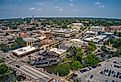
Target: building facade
97 28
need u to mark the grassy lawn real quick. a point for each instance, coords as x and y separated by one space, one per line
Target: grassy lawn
50 69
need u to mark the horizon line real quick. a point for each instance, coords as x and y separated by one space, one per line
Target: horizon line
61 17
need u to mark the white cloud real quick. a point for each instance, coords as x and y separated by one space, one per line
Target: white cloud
97 3
71 0
71 4
60 9
39 3
32 8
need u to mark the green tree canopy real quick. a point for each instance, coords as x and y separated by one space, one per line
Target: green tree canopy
91 46
79 54
19 41
3 68
62 69
117 53
4 47
76 65
104 48
2 60
91 59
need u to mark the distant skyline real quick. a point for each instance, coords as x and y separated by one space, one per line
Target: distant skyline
60 8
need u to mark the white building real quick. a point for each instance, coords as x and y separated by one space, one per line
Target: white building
58 51
95 39
24 51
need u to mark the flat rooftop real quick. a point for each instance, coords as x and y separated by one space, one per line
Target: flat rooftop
97 27
96 38
58 51
29 39
24 50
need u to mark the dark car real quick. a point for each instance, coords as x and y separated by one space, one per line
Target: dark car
91 76
17 66
93 67
90 68
113 81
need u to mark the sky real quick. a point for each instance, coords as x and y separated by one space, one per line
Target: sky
60 8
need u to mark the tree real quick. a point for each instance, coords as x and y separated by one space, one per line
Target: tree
91 46
14 45
62 69
117 53
116 43
119 34
3 47
19 41
76 65
2 60
92 60
3 68
79 54
115 32
104 48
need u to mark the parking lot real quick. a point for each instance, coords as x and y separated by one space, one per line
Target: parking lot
107 71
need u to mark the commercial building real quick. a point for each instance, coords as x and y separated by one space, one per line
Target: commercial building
96 39
47 34
21 52
44 58
24 35
25 27
76 26
75 40
113 29
91 33
58 51
63 32
97 28
31 41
